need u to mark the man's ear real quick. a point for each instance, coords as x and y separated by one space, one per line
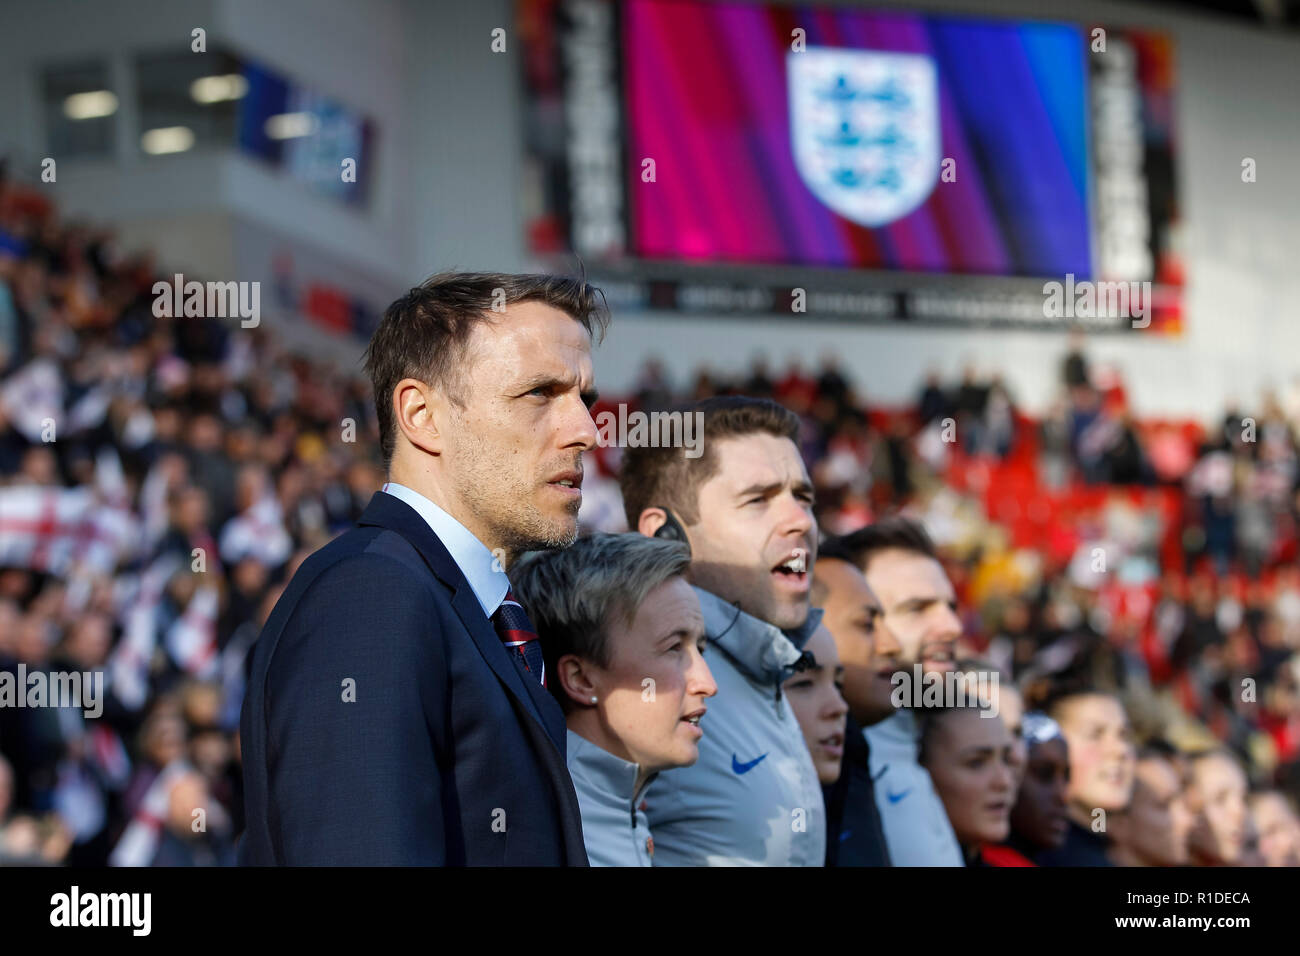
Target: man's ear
421 414
651 520
575 680
662 523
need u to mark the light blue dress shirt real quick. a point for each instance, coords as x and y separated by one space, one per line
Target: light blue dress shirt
482 570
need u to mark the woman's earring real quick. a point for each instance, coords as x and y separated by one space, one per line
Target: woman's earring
593 698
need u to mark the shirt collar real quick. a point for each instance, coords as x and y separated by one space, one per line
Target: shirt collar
763 651
613 775
896 735
482 570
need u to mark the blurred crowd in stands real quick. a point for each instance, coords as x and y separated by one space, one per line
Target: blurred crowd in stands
162 478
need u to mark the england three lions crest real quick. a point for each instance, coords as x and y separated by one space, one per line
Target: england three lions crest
865 130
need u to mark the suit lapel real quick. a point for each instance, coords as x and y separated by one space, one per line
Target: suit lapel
539 703
535 697
390 512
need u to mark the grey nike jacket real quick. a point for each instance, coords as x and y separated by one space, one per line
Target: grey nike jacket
753 797
916 825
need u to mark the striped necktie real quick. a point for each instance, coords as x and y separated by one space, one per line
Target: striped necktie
516 633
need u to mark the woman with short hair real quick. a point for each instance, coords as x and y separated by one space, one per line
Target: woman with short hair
623 640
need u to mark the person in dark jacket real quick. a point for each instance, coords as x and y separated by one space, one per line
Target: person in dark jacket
869 655
397 710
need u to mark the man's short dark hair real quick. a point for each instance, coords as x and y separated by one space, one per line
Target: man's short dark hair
893 533
837 548
665 478
423 334
831 548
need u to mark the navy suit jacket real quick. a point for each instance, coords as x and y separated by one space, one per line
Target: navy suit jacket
448 753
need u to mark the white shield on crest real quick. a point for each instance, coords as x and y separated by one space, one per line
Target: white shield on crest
865 129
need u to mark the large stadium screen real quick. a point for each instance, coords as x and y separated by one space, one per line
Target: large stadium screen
893 166
871 140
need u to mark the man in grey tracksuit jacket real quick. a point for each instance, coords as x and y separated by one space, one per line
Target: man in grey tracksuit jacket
916 826
753 797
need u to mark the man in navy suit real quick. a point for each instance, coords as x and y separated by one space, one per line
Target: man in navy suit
396 710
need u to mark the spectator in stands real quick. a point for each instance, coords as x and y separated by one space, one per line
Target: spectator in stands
745 508
759 383
196 829
623 640
162 743
832 383
1087 433
999 419
187 407
797 389
1074 368
933 403
969 406
653 391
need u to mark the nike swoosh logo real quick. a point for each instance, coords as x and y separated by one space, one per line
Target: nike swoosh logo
739 767
895 797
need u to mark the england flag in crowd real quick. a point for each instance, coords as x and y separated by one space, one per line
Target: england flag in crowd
57 530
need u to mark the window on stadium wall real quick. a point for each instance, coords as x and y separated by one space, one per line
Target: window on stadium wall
221 99
188 102
80 109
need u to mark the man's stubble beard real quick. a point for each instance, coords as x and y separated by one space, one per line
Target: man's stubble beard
752 593
502 501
